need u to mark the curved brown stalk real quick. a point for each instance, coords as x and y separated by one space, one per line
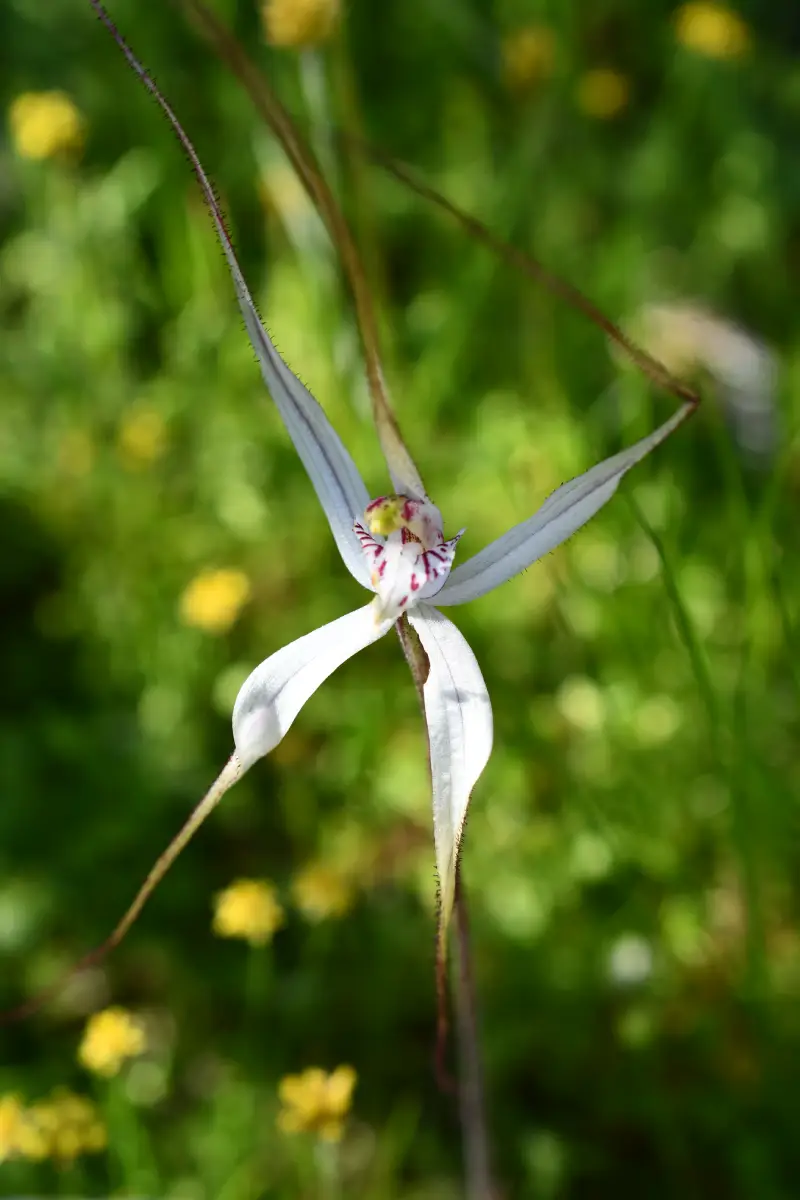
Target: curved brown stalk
469 1086
224 781
401 466
525 262
279 120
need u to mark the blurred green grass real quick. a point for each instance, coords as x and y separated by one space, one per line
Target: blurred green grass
631 848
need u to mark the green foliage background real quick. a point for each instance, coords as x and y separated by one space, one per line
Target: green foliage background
642 797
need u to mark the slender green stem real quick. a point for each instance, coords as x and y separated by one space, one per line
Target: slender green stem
328 1166
128 1143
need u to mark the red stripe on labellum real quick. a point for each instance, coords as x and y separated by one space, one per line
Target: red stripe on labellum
368 541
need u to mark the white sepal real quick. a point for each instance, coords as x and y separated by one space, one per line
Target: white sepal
273 694
333 473
569 507
339 487
459 717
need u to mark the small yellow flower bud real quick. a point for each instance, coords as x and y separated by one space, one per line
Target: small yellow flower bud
528 57
60 1128
320 891
11 1125
603 93
316 1102
35 1138
45 124
298 23
712 30
110 1037
214 599
248 909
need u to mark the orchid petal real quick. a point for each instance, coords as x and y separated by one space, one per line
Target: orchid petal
335 478
273 694
459 716
569 507
334 475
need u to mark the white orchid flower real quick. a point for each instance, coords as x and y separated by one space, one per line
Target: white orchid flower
395 547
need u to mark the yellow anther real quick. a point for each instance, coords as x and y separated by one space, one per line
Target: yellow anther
384 516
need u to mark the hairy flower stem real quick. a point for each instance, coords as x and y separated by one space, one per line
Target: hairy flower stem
471 1095
471 1091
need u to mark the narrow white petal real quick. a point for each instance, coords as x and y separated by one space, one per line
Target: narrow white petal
273 694
333 473
459 716
569 507
339 487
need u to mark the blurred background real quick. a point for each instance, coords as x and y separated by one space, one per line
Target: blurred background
267 1028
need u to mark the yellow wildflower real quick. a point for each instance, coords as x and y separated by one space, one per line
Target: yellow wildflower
11 1122
142 438
603 93
34 1140
214 599
300 22
248 909
44 124
110 1037
316 1102
62 1127
712 29
528 56
77 1127
321 891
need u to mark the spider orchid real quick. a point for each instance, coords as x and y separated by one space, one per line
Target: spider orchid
395 547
